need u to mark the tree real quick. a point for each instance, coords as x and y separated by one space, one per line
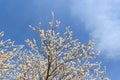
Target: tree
58 57
7 52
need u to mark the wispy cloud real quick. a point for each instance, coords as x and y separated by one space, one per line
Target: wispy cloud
102 19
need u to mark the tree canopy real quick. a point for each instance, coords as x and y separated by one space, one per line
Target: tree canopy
57 57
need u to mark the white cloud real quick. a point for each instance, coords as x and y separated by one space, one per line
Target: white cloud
102 19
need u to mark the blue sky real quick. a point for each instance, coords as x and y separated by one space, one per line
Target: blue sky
89 19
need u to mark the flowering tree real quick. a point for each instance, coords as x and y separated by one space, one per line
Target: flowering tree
7 52
58 57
